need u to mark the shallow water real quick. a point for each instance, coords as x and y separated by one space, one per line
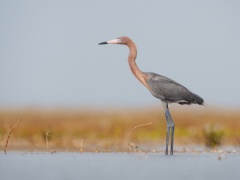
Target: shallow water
118 166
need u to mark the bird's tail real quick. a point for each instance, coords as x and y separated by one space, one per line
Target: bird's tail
198 100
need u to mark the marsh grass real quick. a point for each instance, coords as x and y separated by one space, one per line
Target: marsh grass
213 137
108 129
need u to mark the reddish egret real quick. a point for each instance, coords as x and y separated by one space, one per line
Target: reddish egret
161 87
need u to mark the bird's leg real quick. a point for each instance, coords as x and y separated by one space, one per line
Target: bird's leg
167 134
165 106
172 129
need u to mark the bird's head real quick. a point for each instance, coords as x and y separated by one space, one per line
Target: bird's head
120 40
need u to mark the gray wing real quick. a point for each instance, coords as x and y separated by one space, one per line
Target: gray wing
170 91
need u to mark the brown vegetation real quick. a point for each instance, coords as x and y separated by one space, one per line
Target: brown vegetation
108 129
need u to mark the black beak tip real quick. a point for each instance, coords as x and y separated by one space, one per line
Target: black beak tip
102 43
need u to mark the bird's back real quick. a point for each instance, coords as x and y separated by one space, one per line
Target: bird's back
170 91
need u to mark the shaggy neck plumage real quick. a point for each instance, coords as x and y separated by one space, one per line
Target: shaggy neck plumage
132 63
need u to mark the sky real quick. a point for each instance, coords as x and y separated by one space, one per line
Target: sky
49 53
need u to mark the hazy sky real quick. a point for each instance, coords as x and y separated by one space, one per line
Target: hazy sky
49 53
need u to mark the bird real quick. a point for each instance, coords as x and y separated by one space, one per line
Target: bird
161 87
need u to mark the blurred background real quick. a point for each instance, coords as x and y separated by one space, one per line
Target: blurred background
50 63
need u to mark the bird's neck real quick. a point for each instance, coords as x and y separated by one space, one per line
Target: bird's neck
133 66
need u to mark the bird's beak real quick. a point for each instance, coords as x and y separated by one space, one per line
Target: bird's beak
114 41
102 43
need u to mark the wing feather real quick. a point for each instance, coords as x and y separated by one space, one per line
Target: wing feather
170 91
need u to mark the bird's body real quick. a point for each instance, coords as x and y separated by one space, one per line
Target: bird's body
161 87
170 91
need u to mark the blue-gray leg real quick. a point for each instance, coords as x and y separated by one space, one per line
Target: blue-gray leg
167 133
170 129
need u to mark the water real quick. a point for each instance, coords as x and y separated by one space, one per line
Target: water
118 166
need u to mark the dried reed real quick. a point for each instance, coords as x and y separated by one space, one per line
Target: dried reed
47 134
130 144
9 135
